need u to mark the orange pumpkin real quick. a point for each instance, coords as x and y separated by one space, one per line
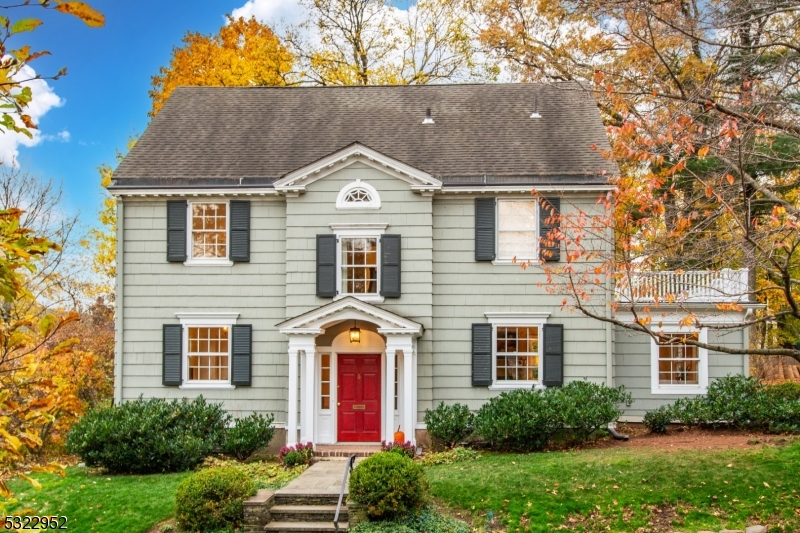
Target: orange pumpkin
399 436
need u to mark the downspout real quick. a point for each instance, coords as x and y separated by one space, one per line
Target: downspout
119 296
609 333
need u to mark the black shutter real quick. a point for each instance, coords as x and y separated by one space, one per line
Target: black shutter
484 229
241 355
176 230
390 266
239 250
172 342
326 266
553 355
481 355
549 212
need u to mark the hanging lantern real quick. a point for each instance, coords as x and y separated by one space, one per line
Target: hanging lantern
355 333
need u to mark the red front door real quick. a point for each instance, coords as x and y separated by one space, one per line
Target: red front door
359 398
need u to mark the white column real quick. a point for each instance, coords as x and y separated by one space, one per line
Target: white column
409 384
388 424
402 343
301 356
309 411
291 407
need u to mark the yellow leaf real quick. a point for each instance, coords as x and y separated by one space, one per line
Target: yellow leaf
92 17
36 484
702 151
23 25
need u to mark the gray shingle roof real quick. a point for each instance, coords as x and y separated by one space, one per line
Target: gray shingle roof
483 134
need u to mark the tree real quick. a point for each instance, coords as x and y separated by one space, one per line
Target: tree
700 99
243 53
371 42
15 72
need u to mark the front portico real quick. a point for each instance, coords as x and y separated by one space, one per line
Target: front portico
344 386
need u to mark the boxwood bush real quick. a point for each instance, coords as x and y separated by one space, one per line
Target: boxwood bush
738 401
449 425
248 435
658 420
149 436
528 419
389 484
212 499
428 520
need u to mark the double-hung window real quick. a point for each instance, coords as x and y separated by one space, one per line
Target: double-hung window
207 349
517 229
678 367
516 353
358 260
516 349
208 354
359 265
208 239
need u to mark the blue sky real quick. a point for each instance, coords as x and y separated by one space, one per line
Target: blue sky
105 92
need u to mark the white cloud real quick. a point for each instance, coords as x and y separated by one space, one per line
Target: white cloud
272 12
62 136
44 99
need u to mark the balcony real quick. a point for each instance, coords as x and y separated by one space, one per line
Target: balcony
691 286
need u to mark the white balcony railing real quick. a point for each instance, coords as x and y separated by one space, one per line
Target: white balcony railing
697 286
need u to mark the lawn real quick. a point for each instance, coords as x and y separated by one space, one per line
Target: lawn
124 504
622 489
111 504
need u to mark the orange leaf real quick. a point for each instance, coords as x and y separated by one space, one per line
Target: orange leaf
730 179
28 121
702 151
92 17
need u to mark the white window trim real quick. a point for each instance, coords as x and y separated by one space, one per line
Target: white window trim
358 184
210 319
356 230
702 387
507 319
206 261
499 260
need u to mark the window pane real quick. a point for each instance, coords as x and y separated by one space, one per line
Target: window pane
209 230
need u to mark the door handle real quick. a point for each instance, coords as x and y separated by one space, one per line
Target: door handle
338 404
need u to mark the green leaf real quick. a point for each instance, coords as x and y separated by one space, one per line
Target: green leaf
23 25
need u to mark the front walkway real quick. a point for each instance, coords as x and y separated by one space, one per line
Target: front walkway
322 478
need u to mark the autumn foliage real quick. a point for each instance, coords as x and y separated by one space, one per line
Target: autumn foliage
700 100
245 53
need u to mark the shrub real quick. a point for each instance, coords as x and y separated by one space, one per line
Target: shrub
212 499
405 448
149 436
248 435
301 454
788 390
518 419
658 420
586 407
456 455
389 484
449 425
742 402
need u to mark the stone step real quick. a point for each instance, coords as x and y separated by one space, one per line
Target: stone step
304 527
307 498
307 513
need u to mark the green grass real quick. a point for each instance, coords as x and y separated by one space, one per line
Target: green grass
624 489
93 502
124 504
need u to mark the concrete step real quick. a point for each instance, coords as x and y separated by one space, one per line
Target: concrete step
307 513
307 498
304 527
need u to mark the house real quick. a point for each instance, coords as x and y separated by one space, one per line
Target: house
342 257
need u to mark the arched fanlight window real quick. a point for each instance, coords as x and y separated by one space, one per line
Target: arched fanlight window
358 195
